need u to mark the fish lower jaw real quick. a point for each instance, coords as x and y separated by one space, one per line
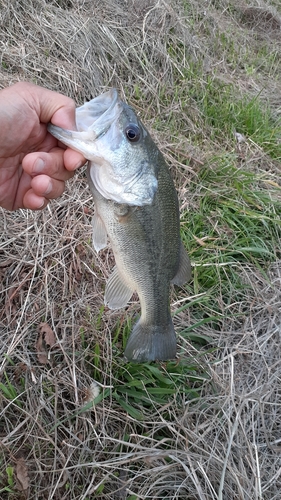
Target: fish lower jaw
151 343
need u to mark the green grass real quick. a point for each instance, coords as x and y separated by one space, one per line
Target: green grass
237 216
226 112
148 386
10 391
236 223
140 388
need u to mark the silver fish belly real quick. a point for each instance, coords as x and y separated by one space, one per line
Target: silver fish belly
144 235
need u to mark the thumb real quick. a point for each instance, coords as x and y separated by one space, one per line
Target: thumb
49 105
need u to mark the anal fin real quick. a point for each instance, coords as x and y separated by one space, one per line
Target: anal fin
184 270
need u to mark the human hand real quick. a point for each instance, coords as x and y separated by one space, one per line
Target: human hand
33 165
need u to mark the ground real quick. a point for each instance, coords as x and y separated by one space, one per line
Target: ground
205 79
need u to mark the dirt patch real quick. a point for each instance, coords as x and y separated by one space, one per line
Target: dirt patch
260 19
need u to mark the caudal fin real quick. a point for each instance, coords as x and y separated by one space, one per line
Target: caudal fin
151 343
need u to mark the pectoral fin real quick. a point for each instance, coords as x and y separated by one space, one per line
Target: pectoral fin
184 270
99 233
117 292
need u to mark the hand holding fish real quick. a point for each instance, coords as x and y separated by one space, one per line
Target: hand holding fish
33 165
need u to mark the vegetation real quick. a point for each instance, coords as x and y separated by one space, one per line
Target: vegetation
77 421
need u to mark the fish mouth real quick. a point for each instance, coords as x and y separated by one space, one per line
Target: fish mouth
93 120
99 113
98 137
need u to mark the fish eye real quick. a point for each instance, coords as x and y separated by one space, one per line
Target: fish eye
133 132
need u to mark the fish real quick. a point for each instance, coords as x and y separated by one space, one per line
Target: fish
137 210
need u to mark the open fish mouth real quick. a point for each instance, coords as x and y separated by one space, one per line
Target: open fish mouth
121 169
93 119
99 113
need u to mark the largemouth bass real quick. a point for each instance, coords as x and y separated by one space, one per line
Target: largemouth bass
136 207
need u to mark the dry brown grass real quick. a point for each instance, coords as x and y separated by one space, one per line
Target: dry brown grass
225 444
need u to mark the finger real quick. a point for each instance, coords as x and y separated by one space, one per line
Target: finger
46 187
57 108
50 164
33 201
73 159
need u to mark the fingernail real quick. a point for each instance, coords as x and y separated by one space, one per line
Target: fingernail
42 204
38 166
80 164
49 188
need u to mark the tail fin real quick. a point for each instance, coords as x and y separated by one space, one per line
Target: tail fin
151 343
